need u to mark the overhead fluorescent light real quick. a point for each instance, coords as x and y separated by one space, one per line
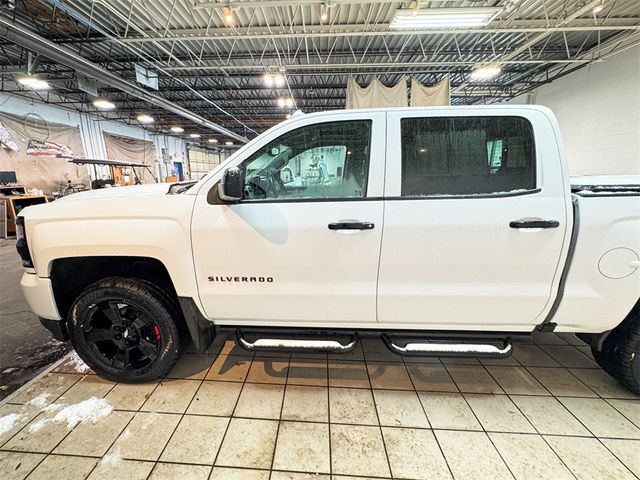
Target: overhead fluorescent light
213 140
194 135
103 104
145 118
177 129
486 73
228 143
410 19
33 82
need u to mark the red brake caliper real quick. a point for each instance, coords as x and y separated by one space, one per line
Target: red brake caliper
157 332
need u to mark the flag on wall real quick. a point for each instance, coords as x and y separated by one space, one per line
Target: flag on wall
48 149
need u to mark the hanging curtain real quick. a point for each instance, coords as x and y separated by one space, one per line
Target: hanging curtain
430 96
376 95
131 150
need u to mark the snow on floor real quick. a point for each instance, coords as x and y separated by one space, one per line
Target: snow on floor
7 422
112 458
40 401
78 364
90 410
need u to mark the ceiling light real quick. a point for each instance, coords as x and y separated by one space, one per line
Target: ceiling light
145 118
408 19
598 8
213 140
228 143
268 80
177 129
194 135
288 116
33 82
273 80
324 13
103 104
415 11
285 102
486 73
229 18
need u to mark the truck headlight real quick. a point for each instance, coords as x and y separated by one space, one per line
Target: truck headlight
21 244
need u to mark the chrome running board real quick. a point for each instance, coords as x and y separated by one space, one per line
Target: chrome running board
442 349
297 344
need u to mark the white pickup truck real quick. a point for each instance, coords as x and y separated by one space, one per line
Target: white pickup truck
447 231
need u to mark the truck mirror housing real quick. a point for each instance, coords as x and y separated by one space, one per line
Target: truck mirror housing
231 188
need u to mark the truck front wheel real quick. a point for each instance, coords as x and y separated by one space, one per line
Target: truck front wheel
127 330
620 354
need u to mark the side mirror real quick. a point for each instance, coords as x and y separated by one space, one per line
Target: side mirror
231 188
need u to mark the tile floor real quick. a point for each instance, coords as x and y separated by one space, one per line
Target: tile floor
546 412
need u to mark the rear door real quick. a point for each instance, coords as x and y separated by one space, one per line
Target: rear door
302 247
459 247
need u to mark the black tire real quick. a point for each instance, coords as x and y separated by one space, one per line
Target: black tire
127 330
620 354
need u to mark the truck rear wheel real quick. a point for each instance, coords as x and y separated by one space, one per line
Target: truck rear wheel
620 354
127 330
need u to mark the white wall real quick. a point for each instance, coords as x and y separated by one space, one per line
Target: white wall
92 129
598 108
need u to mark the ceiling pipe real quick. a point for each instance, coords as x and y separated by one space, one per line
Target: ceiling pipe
62 55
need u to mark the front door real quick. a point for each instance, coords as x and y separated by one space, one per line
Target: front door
303 244
451 258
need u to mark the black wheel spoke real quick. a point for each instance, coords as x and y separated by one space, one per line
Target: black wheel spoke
121 359
139 323
112 312
147 348
99 335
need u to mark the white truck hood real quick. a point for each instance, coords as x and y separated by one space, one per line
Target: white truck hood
114 192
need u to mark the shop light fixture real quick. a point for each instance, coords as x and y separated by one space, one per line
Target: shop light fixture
103 104
416 18
177 129
144 118
228 142
598 8
33 82
486 72
324 13
288 116
229 17
194 135
213 140
285 102
273 80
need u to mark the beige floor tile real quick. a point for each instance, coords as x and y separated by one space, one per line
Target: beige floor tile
389 376
471 455
127 396
171 396
529 457
39 435
302 447
459 361
248 443
569 356
588 459
601 418
561 382
549 416
603 384
509 361
414 454
398 408
63 467
146 435
204 433
348 374
548 338
306 404
629 408
498 414
299 476
172 471
129 469
358 451
260 401
376 351
312 371
626 451
94 439
17 416
533 356
16 466
473 379
229 368
226 345
517 380
53 384
352 405
194 367
347 477
571 339
448 411
71 365
223 473
215 398
431 377
89 386
268 370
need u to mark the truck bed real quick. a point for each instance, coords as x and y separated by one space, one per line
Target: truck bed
606 185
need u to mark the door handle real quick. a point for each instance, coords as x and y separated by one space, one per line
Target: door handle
534 224
351 226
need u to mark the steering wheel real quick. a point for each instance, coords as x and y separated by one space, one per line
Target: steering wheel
275 182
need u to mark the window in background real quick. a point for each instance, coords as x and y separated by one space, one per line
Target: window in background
201 163
466 156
